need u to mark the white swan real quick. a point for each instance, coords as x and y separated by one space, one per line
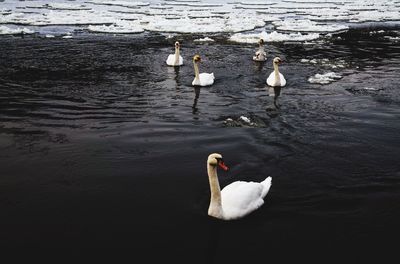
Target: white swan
260 55
237 199
201 79
175 59
276 78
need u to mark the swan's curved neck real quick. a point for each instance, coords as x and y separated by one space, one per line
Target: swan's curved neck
276 71
215 208
176 55
196 70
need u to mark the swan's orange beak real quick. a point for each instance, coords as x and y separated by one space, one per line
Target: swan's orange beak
222 165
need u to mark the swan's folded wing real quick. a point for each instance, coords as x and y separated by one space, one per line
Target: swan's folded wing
283 80
170 60
206 78
241 198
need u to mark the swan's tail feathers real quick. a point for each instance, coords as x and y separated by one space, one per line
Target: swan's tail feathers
267 185
212 75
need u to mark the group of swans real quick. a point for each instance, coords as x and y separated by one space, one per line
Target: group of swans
275 79
239 198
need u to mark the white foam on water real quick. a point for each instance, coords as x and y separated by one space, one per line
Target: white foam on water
325 78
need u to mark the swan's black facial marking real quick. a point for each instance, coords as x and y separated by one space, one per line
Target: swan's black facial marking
196 58
277 60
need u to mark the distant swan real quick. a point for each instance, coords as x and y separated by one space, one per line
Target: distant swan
201 79
276 78
237 199
175 59
260 55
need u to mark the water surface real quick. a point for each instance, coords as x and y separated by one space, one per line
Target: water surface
103 148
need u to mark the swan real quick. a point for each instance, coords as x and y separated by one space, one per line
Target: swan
237 199
260 55
201 79
175 59
276 78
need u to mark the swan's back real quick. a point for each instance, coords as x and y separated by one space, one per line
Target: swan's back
241 198
260 56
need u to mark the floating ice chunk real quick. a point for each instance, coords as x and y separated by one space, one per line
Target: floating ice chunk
122 27
306 25
375 15
334 64
118 3
249 38
59 17
245 119
272 37
370 89
202 16
202 25
192 3
255 3
392 38
64 6
206 39
324 78
49 36
4 30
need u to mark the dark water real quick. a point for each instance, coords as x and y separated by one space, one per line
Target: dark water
103 151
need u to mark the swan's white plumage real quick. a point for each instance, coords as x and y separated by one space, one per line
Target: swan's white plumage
271 81
204 79
241 198
237 199
171 60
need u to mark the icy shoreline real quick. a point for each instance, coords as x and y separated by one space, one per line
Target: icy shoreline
279 21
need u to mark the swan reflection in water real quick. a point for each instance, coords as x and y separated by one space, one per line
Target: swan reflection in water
258 65
275 92
173 73
196 98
